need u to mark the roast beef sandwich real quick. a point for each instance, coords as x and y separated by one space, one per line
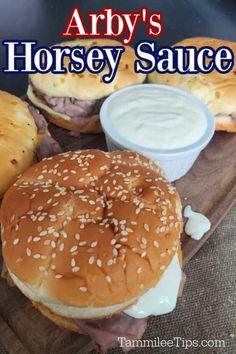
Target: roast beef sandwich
93 240
23 137
216 90
73 101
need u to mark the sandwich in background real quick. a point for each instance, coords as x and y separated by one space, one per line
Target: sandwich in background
217 91
73 101
24 137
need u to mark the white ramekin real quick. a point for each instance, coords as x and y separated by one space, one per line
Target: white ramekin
176 162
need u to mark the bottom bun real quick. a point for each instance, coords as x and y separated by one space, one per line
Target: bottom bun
60 321
89 124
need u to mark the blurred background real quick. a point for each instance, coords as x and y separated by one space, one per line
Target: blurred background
44 20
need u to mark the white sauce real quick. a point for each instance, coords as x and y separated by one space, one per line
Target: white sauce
162 298
197 224
157 119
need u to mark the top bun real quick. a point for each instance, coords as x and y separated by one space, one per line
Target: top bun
88 86
86 232
18 139
216 90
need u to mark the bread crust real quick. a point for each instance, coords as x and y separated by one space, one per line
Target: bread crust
88 86
216 90
88 220
18 139
64 322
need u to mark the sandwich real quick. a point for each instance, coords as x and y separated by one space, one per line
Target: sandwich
23 138
73 101
216 90
93 240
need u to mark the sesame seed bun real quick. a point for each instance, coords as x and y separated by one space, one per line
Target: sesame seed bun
86 233
18 139
216 90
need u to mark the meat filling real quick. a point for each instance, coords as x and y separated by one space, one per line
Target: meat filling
105 333
75 109
47 146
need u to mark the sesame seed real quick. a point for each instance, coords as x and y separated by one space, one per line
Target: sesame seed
143 254
73 262
83 289
75 269
113 241
58 276
144 240
129 230
139 270
163 254
40 177
124 233
28 251
77 237
124 239
61 247
4 243
36 256
115 252
53 244
16 241
108 278
99 263
41 269
43 233
110 262
83 243
91 260
162 267
63 233
94 244
36 239
73 249
60 213
141 286
53 266
146 227
156 244
54 255
17 227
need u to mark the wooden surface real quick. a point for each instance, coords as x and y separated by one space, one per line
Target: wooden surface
210 187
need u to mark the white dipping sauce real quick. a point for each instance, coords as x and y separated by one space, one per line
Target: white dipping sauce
163 297
197 224
157 119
